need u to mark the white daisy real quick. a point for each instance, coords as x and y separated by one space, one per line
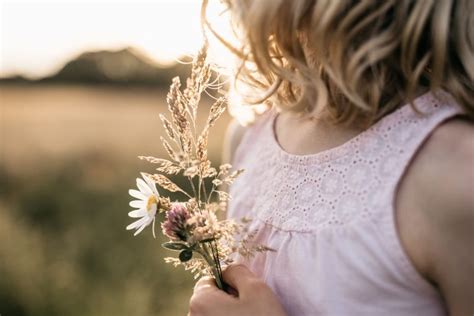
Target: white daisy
146 205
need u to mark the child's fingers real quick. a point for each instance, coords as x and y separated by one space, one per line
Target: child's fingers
238 277
204 283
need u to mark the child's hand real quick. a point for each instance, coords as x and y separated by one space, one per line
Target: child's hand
253 296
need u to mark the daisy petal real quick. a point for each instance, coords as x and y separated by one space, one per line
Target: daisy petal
136 223
151 184
140 229
137 213
144 188
137 204
137 194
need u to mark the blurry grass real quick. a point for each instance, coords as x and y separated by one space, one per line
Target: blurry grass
64 178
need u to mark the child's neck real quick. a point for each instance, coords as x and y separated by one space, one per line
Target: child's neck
304 136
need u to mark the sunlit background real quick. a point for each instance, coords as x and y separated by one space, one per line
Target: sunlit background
37 37
81 86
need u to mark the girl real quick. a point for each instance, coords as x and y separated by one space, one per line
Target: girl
360 174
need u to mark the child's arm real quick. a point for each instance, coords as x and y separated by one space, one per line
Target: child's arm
233 136
435 213
232 139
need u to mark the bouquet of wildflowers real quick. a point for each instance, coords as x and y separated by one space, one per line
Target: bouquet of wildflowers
204 243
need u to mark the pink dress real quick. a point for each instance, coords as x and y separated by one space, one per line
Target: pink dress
330 216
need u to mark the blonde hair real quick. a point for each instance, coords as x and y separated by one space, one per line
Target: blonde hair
357 60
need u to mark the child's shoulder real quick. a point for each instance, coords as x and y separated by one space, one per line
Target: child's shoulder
232 139
435 209
444 167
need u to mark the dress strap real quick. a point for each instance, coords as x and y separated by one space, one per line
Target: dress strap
406 131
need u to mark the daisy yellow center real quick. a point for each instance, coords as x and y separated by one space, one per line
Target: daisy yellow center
151 201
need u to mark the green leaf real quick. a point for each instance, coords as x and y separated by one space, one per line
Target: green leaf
185 255
176 246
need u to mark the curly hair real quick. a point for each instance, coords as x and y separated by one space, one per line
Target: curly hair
353 60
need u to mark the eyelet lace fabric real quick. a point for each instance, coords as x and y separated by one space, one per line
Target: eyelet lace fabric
330 217
335 187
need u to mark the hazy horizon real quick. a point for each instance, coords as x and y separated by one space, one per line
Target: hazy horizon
38 38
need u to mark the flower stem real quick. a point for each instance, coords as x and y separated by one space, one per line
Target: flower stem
204 190
220 283
210 194
199 190
204 252
192 185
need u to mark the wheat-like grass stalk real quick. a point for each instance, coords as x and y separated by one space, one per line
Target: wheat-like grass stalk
192 226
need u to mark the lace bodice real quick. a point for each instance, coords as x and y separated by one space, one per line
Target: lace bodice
335 208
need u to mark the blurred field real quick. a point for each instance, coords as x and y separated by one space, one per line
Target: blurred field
67 158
